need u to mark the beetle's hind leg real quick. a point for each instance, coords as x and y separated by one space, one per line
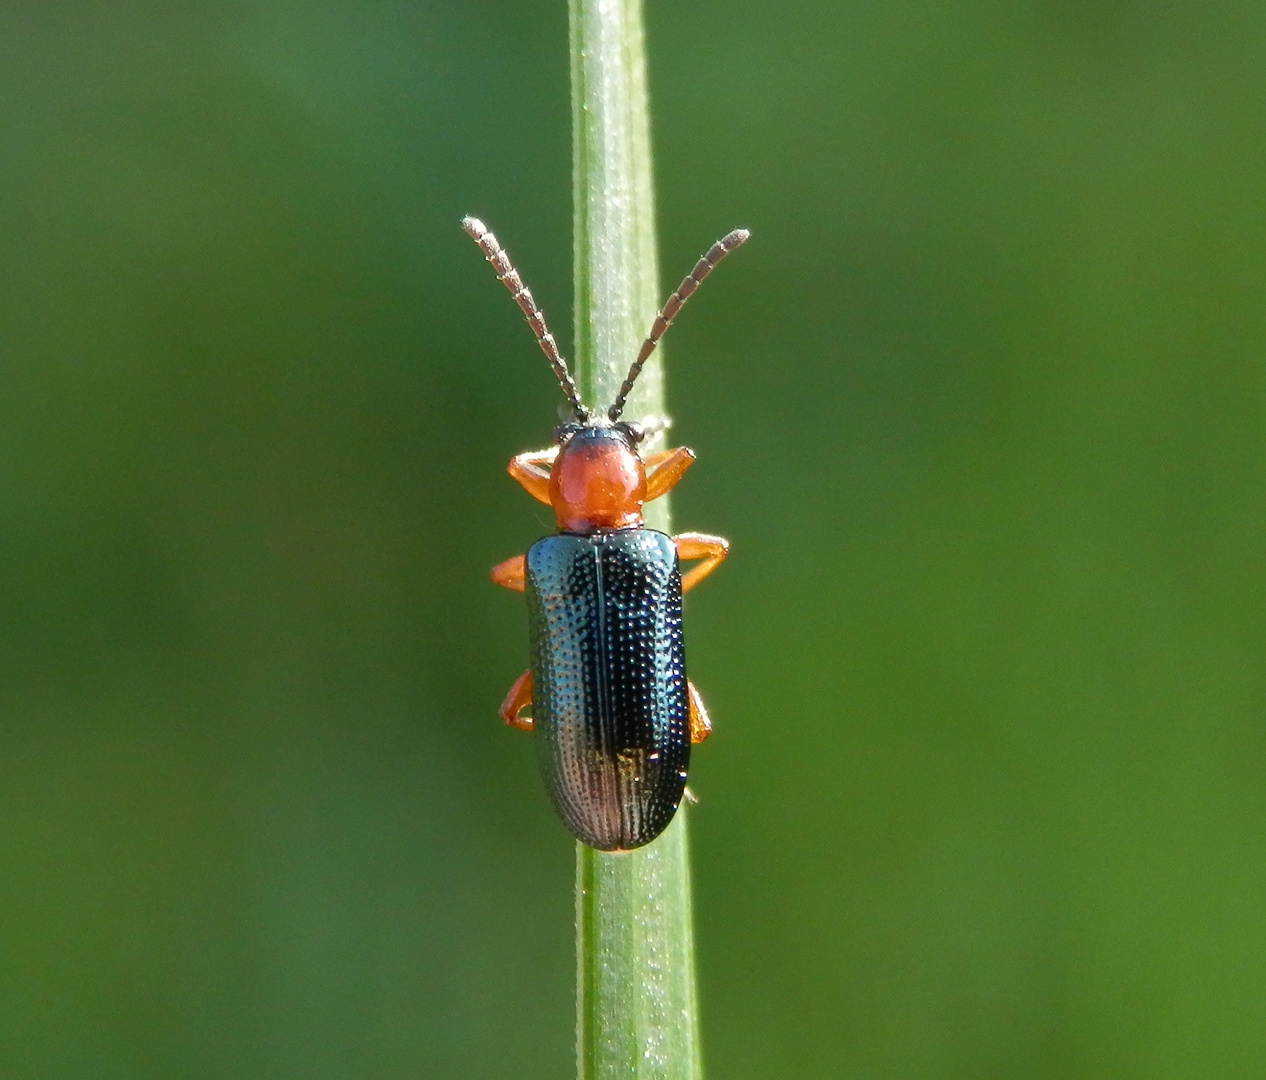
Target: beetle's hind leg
700 722
520 697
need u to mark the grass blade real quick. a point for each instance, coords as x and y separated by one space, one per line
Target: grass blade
637 1014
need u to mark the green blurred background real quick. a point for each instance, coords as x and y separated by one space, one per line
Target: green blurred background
982 408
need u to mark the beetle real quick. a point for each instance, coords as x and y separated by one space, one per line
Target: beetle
613 712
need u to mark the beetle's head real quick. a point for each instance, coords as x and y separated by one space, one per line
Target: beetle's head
598 480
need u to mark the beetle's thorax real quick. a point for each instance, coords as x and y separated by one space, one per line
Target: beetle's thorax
597 481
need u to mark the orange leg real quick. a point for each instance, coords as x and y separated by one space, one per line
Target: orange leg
509 574
664 469
711 549
528 469
700 722
519 698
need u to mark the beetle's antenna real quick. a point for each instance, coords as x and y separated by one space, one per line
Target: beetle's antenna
509 277
674 304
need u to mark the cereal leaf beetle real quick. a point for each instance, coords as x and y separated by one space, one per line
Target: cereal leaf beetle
612 709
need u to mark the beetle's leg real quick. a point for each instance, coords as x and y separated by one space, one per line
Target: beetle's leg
700 723
527 470
711 549
509 574
664 470
659 457
519 698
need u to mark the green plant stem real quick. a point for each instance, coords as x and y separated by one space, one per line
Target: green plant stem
637 1014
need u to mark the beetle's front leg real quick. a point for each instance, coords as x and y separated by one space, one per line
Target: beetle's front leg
527 470
711 549
664 469
518 699
511 573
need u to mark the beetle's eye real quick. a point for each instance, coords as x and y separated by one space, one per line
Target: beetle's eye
564 432
634 433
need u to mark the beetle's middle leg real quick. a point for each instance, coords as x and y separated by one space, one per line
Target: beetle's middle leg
511 573
700 722
519 698
711 549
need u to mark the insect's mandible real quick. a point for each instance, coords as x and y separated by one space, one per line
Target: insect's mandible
612 709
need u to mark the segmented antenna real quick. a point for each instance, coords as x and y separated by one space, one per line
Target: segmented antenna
674 304
509 277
